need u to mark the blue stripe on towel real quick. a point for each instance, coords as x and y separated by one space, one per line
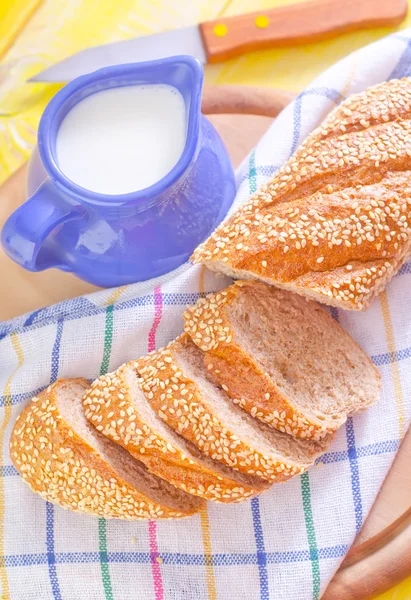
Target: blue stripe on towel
261 554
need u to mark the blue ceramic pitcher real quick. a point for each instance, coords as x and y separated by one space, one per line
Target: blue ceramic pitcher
112 240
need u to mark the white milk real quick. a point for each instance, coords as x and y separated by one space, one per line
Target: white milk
122 139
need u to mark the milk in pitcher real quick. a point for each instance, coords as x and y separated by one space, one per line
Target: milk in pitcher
123 139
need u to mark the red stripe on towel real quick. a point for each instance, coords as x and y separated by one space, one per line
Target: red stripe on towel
152 526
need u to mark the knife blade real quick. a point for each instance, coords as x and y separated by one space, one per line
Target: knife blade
148 47
227 37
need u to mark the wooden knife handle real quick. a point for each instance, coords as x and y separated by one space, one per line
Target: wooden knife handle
295 24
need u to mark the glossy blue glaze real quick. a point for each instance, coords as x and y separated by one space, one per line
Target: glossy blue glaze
113 240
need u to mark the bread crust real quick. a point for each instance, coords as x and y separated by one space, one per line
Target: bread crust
334 223
64 469
178 401
108 405
239 373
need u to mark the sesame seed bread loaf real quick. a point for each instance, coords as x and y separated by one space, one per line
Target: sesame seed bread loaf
176 382
282 358
118 408
68 462
334 223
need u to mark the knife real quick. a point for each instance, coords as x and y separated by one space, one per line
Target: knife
227 37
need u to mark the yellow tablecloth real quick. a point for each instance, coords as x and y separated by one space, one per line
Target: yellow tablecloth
59 28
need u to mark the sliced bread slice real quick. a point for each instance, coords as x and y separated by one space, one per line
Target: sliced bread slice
118 408
282 358
176 383
67 461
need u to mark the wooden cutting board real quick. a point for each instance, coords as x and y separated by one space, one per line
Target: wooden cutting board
381 555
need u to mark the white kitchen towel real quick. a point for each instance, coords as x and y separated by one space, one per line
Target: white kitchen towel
288 543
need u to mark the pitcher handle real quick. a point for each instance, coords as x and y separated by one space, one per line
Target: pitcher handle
27 231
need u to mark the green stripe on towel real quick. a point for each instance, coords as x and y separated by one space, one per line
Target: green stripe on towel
312 542
108 339
102 526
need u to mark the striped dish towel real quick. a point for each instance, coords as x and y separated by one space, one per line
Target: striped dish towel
288 543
